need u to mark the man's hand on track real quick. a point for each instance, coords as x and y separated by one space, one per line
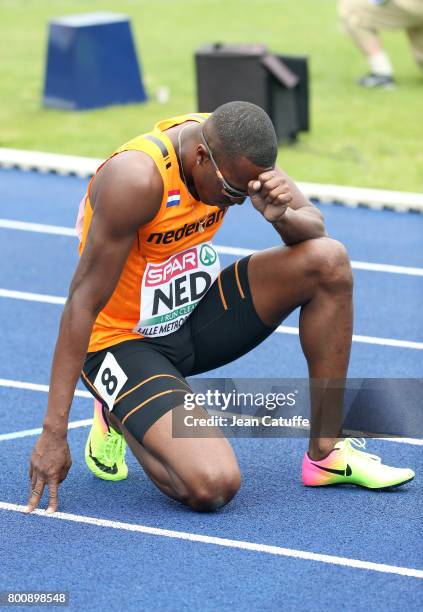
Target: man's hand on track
49 466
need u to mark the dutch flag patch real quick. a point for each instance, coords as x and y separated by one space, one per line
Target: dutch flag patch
173 198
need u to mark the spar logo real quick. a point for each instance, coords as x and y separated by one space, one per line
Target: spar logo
207 255
158 274
170 290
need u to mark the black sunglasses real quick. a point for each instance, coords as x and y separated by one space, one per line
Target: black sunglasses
232 192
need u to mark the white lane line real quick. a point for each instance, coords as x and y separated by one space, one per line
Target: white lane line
32 297
388 342
39 228
282 329
415 442
17 384
237 544
375 267
357 265
285 329
35 432
224 250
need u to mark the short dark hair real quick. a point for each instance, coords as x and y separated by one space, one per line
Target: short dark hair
245 130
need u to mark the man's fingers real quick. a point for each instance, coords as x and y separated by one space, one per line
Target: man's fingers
36 494
285 198
264 186
270 188
279 194
53 489
254 186
272 184
267 176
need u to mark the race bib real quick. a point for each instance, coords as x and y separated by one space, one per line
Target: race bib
172 289
110 380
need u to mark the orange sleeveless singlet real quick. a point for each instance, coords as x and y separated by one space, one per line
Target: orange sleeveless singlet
172 262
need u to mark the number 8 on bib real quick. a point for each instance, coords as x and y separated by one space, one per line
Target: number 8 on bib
110 380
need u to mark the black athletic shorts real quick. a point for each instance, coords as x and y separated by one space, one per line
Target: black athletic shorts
141 379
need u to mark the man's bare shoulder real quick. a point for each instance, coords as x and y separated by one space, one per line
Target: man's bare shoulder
130 182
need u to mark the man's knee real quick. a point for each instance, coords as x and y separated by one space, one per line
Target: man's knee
211 490
330 262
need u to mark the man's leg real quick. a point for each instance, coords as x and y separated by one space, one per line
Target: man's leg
248 302
201 471
415 36
315 275
362 20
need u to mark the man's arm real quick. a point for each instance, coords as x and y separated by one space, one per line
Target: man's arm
126 194
281 203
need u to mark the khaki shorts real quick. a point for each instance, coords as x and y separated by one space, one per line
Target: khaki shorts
362 19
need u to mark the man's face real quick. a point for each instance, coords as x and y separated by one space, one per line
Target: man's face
222 183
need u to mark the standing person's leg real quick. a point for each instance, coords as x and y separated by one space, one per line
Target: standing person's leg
362 21
415 36
359 21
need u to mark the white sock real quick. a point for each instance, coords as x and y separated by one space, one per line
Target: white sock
380 64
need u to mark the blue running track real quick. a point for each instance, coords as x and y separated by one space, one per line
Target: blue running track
367 545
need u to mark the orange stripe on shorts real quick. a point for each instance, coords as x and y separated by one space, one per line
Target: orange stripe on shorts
238 281
219 283
89 383
143 382
150 399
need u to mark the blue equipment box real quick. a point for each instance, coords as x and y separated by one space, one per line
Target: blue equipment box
91 62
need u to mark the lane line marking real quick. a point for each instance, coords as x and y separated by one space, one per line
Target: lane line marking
224 250
16 384
32 297
36 432
294 331
228 543
357 265
39 228
416 441
282 329
388 342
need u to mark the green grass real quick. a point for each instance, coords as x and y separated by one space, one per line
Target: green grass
363 138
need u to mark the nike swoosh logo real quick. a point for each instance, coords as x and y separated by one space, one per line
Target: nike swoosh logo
346 472
102 467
